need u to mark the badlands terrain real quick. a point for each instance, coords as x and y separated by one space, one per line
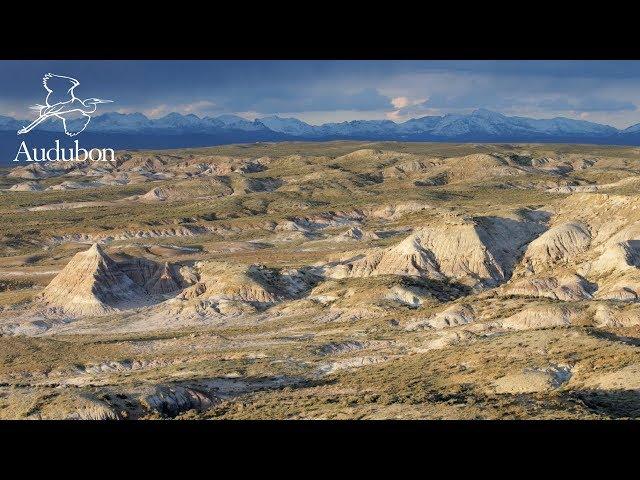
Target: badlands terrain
342 280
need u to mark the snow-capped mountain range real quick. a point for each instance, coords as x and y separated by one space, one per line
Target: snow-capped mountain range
135 130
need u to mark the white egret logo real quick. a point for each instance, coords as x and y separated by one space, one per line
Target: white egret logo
62 103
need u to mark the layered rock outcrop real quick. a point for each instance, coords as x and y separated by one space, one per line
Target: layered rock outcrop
92 283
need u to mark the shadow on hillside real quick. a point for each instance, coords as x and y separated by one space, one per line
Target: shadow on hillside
618 403
604 335
443 291
510 238
200 394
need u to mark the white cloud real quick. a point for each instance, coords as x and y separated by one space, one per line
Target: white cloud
394 115
400 102
156 112
406 108
199 107
402 95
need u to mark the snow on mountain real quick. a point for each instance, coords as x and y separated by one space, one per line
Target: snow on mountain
358 128
8 123
120 122
290 126
480 122
480 125
238 123
183 122
418 125
566 126
633 129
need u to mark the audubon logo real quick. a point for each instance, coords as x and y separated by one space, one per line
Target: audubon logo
62 104
58 154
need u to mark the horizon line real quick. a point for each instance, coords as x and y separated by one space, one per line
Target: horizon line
234 114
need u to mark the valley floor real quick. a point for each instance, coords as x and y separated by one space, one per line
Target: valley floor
337 280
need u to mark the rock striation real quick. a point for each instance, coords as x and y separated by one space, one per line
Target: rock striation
92 283
479 252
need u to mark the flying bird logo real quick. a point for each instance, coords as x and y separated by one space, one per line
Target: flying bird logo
62 103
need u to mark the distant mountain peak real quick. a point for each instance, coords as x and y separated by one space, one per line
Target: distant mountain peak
135 130
632 129
231 117
289 126
180 115
484 113
119 114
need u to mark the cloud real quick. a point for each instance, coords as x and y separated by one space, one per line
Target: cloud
587 104
294 100
406 108
158 111
608 91
480 98
199 107
400 102
502 88
394 115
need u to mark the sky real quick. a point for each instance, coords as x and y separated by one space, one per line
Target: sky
318 91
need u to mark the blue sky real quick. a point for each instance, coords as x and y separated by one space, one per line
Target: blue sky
328 91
